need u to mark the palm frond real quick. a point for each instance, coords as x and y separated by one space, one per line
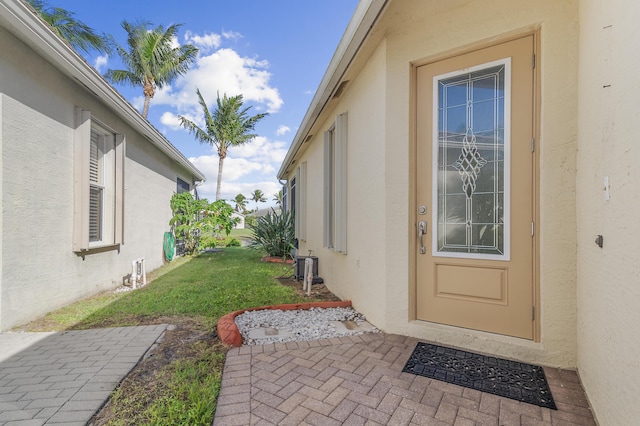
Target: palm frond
78 34
193 128
151 55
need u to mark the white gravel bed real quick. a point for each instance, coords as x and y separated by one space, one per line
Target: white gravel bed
298 324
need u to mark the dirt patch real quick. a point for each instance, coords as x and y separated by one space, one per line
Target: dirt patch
272 259
318 291
188 339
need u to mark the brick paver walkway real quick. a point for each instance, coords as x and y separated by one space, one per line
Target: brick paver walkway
66 377
358 380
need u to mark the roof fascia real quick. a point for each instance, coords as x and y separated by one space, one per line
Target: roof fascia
358 29
18 18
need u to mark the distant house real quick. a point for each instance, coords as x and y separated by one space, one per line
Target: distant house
240 223
455 170
86 181
265 211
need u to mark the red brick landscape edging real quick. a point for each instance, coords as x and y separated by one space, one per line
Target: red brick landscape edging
228 330
273 259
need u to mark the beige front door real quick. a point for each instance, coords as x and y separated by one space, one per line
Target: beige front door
474 190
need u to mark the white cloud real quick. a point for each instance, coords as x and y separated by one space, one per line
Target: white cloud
138 102
174 42
204 42
232 168
262 150
246 168
222 71
283 130
269 188
229 190
231 35
170 120
101 62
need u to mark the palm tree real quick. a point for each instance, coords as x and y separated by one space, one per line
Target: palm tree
241 203
152 60
79 35
258 197
229 125
278 197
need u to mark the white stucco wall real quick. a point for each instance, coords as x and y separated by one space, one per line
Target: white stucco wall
40 272
375 273
609 278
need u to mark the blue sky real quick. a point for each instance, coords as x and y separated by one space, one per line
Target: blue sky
272 52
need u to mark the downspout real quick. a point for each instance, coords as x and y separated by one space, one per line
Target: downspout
196 184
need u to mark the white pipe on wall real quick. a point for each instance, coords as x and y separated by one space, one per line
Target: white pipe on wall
134 272
308 275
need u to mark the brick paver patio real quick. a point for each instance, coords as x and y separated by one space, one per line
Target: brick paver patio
358 380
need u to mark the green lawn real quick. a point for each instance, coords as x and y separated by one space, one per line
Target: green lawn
180 383
240 233
206 287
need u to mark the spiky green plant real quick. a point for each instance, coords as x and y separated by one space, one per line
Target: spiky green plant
274 233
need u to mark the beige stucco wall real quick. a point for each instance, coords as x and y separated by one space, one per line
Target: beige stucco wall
609 278
40 272
375 273
428 31
355 276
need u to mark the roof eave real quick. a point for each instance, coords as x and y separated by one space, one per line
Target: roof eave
358 29
20 20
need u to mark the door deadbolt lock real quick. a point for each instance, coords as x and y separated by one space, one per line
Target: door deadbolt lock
422 210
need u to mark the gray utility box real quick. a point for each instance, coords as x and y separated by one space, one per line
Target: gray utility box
300 267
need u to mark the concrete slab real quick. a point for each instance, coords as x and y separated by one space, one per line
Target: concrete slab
12 343
352 327
65 377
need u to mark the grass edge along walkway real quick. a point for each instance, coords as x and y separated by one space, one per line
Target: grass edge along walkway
179 384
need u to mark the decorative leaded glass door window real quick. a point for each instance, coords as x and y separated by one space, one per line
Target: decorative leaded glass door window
471 152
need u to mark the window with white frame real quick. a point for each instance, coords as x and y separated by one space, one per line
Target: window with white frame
335 185
182 186
301 202
99 189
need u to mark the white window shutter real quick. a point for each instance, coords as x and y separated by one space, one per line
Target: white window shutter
81 171
302 196
340 184
119 189
328 193
296 208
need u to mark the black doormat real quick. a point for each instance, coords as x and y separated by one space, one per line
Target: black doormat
511 379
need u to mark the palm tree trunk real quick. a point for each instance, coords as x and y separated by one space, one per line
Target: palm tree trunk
145 108
220 161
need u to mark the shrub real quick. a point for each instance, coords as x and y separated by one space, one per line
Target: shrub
232 242
249 221
274 234
194 218
208 242
211 241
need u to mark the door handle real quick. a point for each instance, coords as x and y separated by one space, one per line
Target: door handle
422 229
